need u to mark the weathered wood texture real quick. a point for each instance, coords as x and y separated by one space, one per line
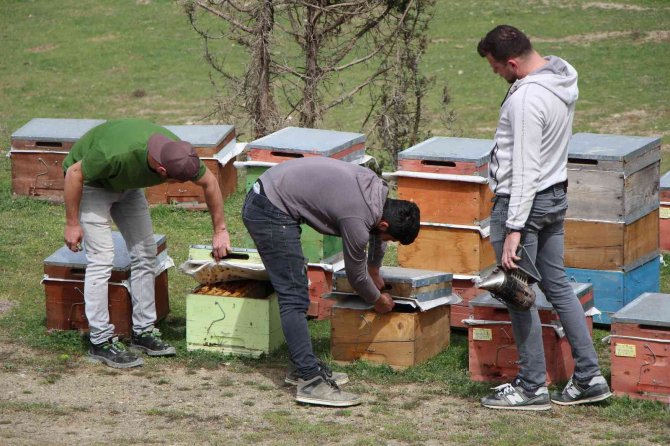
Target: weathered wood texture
400 340
611 246
443 201
453 250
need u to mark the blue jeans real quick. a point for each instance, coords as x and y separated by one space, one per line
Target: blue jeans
543 238
277 238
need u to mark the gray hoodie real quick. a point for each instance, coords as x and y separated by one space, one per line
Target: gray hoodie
337 198
534 129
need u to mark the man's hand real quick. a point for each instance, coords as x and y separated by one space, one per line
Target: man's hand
73 237
384 304
376 277
509 256
220 244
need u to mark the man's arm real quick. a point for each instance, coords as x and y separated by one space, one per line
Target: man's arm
74 184
214 200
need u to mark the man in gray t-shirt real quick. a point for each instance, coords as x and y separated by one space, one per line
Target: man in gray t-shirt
335 198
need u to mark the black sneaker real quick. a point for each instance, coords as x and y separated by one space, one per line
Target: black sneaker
323 391
150 342
114 354
575 392
292 374
513 396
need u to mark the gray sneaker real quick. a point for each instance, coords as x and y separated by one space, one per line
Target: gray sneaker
574 392
150 342
323 391
292 374
114 354
513 396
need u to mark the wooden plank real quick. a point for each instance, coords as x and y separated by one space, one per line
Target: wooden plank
38 174
442 201
398 339
449 167
187 192
453 250
610 246
640 191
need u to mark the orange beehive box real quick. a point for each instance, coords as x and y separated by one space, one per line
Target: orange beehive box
450 248
457 156
37 154
64 288
664 212
320 279
493 355
640 348
216 147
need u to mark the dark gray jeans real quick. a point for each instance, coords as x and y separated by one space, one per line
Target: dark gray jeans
542 238
277 238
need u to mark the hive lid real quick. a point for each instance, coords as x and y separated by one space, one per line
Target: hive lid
610 147
646 309
55 130
64 257
241 264
580 289
304 140
355 302
450 149
414 277
665 181
202 135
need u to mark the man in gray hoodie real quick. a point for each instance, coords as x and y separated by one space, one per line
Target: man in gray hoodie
528 175
336 198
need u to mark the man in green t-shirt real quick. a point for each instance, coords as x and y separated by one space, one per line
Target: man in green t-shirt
105 173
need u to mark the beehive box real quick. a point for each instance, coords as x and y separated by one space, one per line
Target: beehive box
215 145
443 247
446 178
611 246
37 154
458 156
422 285
640 348
664 212
237 318
612 290
64 288
493 355
465 288
294 142
320 279
398 339
612 178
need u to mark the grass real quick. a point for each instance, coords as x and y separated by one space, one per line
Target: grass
118 59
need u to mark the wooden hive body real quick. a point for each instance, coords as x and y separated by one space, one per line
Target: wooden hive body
64 289
640 348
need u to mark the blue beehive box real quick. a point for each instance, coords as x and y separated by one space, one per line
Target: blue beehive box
612 290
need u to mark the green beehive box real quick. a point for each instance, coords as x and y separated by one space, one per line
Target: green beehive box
236 325
253 172
315 246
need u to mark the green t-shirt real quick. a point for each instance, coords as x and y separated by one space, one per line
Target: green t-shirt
113 155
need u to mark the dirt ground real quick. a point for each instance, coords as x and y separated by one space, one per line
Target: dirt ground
164 402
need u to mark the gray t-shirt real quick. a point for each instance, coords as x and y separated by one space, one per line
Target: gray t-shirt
336 198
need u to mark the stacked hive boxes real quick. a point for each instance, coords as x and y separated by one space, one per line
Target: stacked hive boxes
640 348
493 355
291 143
63 282
612 224
664 212
447 178
416 330
215 145
37 154
238 316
